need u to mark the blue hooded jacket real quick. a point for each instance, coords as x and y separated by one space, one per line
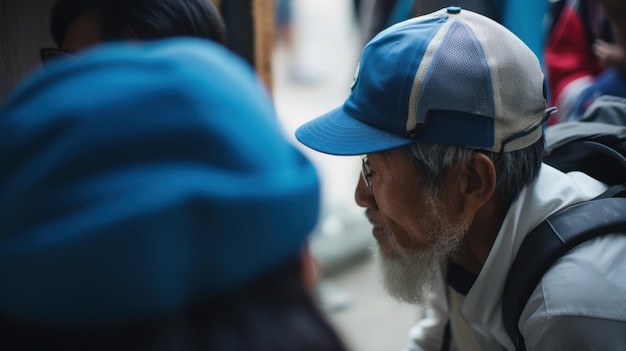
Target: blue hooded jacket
140 177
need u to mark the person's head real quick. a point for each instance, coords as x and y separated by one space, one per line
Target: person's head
150 201
78 24
448 109
615 11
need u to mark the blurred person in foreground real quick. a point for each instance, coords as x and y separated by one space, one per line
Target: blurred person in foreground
149 201
78 24
585 54
448 110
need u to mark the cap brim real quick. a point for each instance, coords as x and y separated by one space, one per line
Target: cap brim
338 133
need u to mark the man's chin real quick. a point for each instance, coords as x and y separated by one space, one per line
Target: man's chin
408 277
404 287
381 234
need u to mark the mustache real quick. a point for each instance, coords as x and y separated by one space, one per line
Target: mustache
370 217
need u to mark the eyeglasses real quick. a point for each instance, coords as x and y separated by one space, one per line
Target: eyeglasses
49 54
366 172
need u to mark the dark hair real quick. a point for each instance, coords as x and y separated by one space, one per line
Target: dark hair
274 313
142 19
514 170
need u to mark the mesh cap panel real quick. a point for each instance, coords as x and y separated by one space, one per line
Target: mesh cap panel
471 82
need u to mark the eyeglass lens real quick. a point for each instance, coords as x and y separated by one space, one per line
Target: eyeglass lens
365 172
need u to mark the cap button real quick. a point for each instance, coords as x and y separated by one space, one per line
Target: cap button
454 10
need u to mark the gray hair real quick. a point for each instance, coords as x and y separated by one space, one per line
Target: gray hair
514 170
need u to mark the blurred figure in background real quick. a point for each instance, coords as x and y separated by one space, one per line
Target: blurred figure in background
149 201
286 35
284 22
585 54
78 24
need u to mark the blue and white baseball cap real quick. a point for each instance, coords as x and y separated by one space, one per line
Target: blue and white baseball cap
451 77
141 177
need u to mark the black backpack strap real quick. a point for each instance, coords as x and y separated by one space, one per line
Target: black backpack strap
447 337
551 239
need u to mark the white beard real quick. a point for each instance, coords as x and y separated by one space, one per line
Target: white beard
409 274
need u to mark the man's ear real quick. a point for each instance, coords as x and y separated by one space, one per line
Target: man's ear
477 182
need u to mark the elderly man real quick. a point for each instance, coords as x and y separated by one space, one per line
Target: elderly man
448 110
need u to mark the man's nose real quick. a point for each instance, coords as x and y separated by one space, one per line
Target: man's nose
364 196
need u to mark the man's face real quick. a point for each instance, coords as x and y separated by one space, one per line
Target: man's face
413 226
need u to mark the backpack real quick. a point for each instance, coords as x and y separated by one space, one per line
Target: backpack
598 149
